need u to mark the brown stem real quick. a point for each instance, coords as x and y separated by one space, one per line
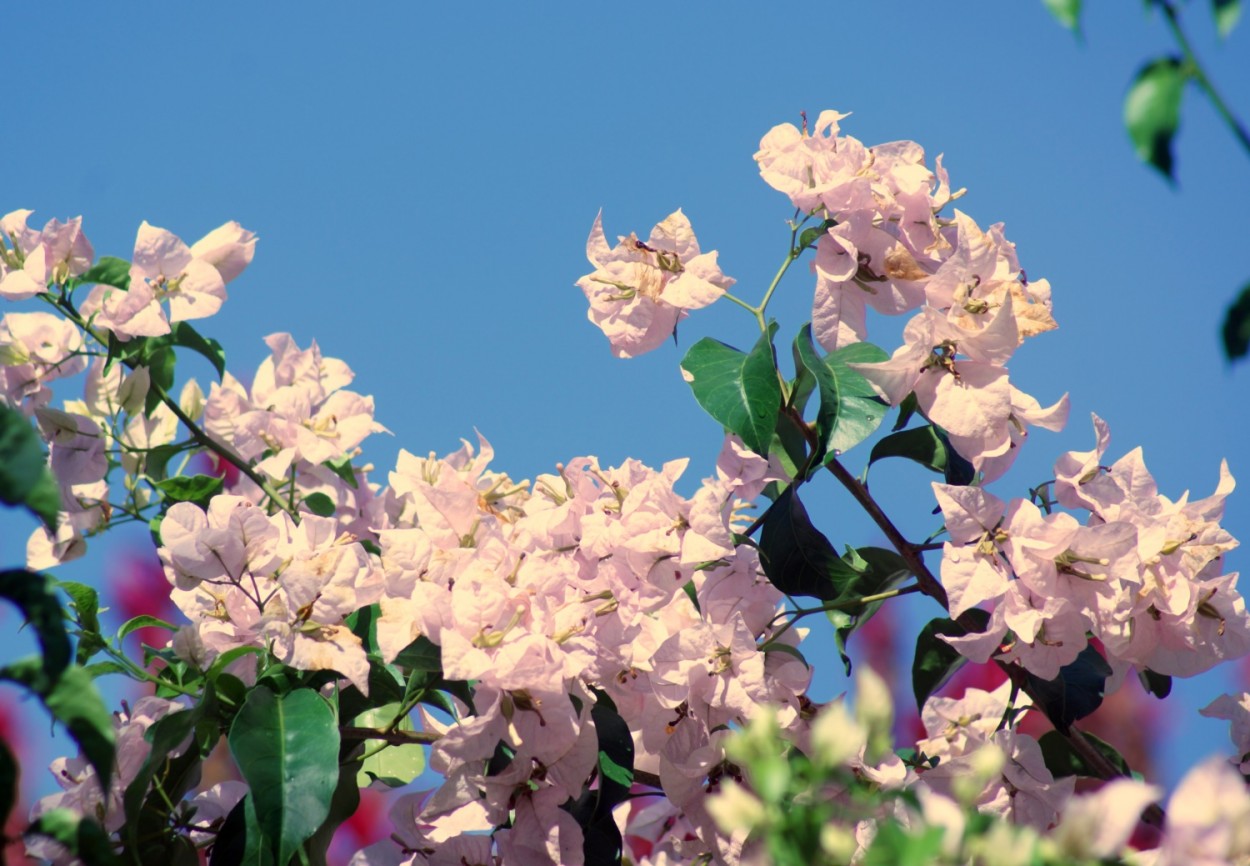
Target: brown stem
395 738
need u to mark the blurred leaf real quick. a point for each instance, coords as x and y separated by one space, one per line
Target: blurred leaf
108 271
10 772
936 661
72 699
191 488
24 475
797 558
1237 326
1227 14
1066 12
287 748
1075 693
81 836
1062 761
1152 112
741 391
32 594
319 504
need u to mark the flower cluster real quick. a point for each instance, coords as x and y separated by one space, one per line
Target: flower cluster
1142 573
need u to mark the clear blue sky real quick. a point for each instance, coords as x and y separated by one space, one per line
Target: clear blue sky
423 176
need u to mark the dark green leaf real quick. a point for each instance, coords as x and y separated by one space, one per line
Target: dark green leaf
1066 12
1159 685
101 669
24 476
73 701
32 594
1152 111
1227 14
421 655
319 504
342 806
1075 693
160 360
1063 761
287 748
1236 328
826 385
929 447
885 570
937 661
108 271
9 774
739 390
80 836
182 334
797 558
191 488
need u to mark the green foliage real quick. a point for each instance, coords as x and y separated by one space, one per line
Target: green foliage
108 271
392 765
1066 12
883 570
936 661
80 836
929 447
191 488
1227 14
1062 760
319 504
287 748
739 390
850 409
796 556
1152 112
1075 693
24 476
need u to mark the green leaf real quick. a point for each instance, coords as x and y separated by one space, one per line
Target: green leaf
1152 111
81 836
24 476
1066 12
1236 330
32 594
145 620
1063 761
182 334
826 385
319 504
936 661
193 488
393 766
86 603
929 447
342 467
421 655
810 235
287 748
797 558
1159 685
343 805
160 359
165 735
884 571
9 773
1076 692
1227 14
861 411
108 271
739 390
72 699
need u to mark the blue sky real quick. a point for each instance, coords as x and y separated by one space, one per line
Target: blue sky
423 177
